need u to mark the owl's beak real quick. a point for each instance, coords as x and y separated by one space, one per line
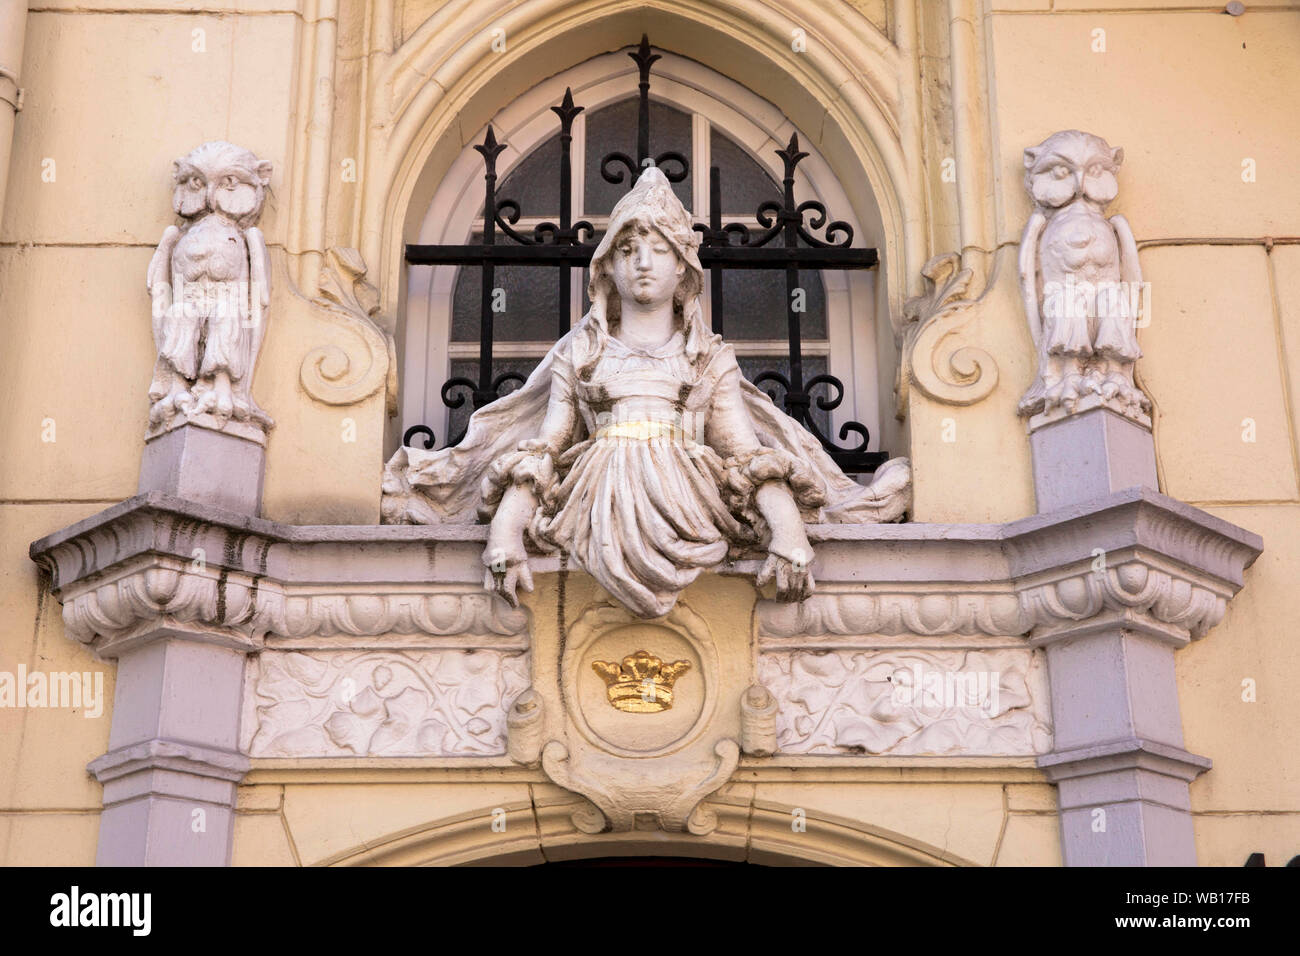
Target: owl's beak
1078 181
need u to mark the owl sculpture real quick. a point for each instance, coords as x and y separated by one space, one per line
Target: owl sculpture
1079 278
210 284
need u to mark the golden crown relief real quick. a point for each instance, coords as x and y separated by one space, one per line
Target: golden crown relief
643 684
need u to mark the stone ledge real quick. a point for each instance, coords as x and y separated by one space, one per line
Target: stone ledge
1130 753
169 770
187 758
1170 567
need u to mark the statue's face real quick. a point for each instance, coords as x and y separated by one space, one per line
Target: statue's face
645 267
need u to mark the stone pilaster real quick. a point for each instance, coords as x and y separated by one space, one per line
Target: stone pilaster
1110 635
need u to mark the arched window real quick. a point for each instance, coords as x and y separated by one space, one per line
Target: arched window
696 112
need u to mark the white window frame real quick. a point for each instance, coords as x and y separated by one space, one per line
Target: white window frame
455 212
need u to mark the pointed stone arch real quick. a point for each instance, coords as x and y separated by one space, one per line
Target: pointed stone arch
442 85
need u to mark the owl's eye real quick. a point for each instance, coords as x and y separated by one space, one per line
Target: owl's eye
1094 169
230 182
196 183
1060 172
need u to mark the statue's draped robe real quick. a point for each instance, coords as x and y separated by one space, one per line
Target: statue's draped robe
643 515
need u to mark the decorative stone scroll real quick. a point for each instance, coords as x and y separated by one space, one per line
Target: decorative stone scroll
948 373
331 374
877 611
257 609
637 765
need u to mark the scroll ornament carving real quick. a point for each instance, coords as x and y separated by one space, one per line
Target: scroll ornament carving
1080 281
389 703
210 283
657 758
331 374
524 727
615 806
946 372
909 703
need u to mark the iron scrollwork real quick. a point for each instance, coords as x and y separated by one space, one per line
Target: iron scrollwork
566 245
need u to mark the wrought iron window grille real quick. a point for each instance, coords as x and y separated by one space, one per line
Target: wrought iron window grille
784 238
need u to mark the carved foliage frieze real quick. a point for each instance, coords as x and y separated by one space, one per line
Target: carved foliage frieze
417 703
910 702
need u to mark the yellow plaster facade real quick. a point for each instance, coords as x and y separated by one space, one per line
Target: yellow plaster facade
886 91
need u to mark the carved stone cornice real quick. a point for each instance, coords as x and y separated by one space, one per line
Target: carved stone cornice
156 565
155 562
1134 558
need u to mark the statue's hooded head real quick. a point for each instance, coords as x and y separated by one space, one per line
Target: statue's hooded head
651 204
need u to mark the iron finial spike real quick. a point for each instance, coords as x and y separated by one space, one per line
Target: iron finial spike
489 149
566 111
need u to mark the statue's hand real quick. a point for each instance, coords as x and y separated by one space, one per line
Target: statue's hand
793 574
506 568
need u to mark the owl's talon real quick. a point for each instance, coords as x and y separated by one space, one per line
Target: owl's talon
175 400
225 408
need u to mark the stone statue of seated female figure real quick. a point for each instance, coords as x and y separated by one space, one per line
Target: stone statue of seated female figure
636 446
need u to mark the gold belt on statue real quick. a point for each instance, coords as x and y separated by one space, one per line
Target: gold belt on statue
642 431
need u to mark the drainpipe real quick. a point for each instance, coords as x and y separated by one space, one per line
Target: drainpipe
13 29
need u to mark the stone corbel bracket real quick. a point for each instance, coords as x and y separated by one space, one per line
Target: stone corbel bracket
156 564
1135 559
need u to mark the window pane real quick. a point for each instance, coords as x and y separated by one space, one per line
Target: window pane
754 304
613 128
530 297
751 366
534 183
458 418
745 183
